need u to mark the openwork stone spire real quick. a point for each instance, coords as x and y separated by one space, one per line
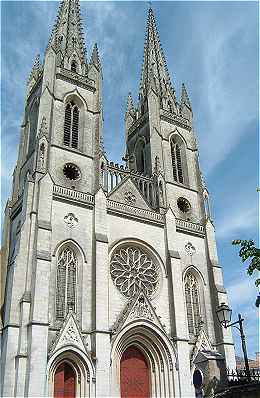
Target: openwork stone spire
67 34
155 73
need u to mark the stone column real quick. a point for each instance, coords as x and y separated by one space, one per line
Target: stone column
39 324
224 340
180 327
102 334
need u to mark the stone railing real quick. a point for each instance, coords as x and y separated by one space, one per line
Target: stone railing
113 174
183 225
73 195
135 212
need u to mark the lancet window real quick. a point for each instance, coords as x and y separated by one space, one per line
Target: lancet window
192 303
71 125
66 283
177 168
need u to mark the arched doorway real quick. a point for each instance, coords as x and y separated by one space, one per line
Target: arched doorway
134 374
64 381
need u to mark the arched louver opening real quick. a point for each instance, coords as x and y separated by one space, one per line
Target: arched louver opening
71 125
66 283
74 66
140 157
176 162
192 304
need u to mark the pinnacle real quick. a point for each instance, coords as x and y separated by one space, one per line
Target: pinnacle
37 62
36 69
184 97
95 60
130 103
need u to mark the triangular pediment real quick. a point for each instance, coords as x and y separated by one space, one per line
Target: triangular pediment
127 193
137 309
203 347
69 335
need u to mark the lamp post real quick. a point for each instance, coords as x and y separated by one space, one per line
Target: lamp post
224 317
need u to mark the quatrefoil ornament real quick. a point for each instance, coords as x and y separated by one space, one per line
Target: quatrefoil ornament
190 249
71 220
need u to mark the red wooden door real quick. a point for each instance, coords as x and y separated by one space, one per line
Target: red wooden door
64 381
134 374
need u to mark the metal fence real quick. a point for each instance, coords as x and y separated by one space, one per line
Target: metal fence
239 376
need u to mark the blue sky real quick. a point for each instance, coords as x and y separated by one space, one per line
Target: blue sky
213 48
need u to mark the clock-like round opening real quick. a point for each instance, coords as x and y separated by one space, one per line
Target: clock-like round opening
184 205
71 171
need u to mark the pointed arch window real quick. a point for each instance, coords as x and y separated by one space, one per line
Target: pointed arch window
66 283
177 167
192 303
71 125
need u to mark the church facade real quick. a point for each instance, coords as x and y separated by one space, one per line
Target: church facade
112 274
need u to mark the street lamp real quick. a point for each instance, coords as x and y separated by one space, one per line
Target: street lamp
224 317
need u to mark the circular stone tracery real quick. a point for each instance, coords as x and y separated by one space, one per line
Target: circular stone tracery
132 270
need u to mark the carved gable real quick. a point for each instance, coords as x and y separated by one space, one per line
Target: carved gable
137 308
203 349
126 192
69 335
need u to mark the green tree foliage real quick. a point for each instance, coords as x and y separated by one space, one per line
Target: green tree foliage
248 251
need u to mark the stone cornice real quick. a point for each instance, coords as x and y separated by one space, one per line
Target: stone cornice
134 212
76 79
72 195
188 226
175 119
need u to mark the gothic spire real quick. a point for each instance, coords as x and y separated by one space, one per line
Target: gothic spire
67 34
154 71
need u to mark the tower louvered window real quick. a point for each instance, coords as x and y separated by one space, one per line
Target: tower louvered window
176 162
66 283
192 304
71 125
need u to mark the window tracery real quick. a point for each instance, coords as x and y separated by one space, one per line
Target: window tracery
66 283
132 270
192 303
177 167
71 125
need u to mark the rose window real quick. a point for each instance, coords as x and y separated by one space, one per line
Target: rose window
132 270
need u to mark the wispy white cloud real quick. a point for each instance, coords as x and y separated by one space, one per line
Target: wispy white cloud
236 221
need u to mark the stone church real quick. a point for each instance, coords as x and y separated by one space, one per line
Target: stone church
111 271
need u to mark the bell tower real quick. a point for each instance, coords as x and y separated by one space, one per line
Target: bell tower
61 131
58 157
159 133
